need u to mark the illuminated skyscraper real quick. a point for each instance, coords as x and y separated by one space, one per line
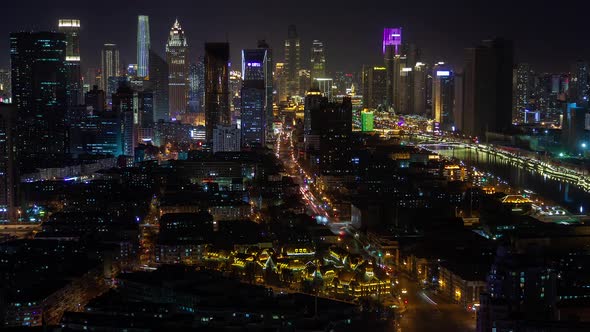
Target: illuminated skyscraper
318 60
392 39
292 62
419 78
217 110
5 89
253 98
143 45
443 95
196 86
71 28
374 86
523 89
177 58
280 82
580 83
39 81
110 69
268 85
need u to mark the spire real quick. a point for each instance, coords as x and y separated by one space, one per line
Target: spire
176 24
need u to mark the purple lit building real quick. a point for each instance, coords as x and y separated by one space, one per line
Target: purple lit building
392 36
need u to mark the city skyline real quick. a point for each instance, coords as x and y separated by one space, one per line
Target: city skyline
441 32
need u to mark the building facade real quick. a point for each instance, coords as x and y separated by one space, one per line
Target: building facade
143 46
178 70
217 111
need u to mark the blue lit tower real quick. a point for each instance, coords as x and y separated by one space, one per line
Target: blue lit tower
39 81
143 45
253 97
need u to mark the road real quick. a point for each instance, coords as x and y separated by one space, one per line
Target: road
427 312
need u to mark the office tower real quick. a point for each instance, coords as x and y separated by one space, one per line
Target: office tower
196 86
90 78
253 112
126 109
580 84
311 121
318 60
226 139
71 28
268 85
326 87
39 81
110 69
335 135
280 82
217 110
304 80
374 86
488 88
458 96
8 175
159 85
403 78
96 133
574 131
95 99
392 40
523 83
235 88
5 89
419 78
143 46
443 96
177 58
292 62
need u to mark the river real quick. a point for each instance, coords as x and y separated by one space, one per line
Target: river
575 199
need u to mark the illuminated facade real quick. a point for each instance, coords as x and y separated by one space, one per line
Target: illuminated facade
392 39
374 86
443 95
217 111
318 60
367 120
39 82
110 68
7 164
143 45
253 93
178 70
71 28
268 85
292 62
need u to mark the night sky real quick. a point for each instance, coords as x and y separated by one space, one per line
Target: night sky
550 37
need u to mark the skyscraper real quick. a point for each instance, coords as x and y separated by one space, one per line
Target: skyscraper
110 70
268 84
159 85
488 88
374 86
217 110
335 137
318 60
8 178
442 95
39 81
71 28
253 98
580 83
143 46
523 89
196 86
178 65
292 62
392 39
419 78
5 86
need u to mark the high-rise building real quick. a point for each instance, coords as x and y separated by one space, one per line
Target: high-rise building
459 100
488 88
196 87
443 96
8 176
392 40
159 85
326 86
419 79
523 83
374 86
217 110
292 62
95 99
580 83
126 109
5 89
253 112
335 137
71 28
318 60
178 69
268 85
304 80
110 70
39 81
96 133
143 46
280 82
575 135
226 139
